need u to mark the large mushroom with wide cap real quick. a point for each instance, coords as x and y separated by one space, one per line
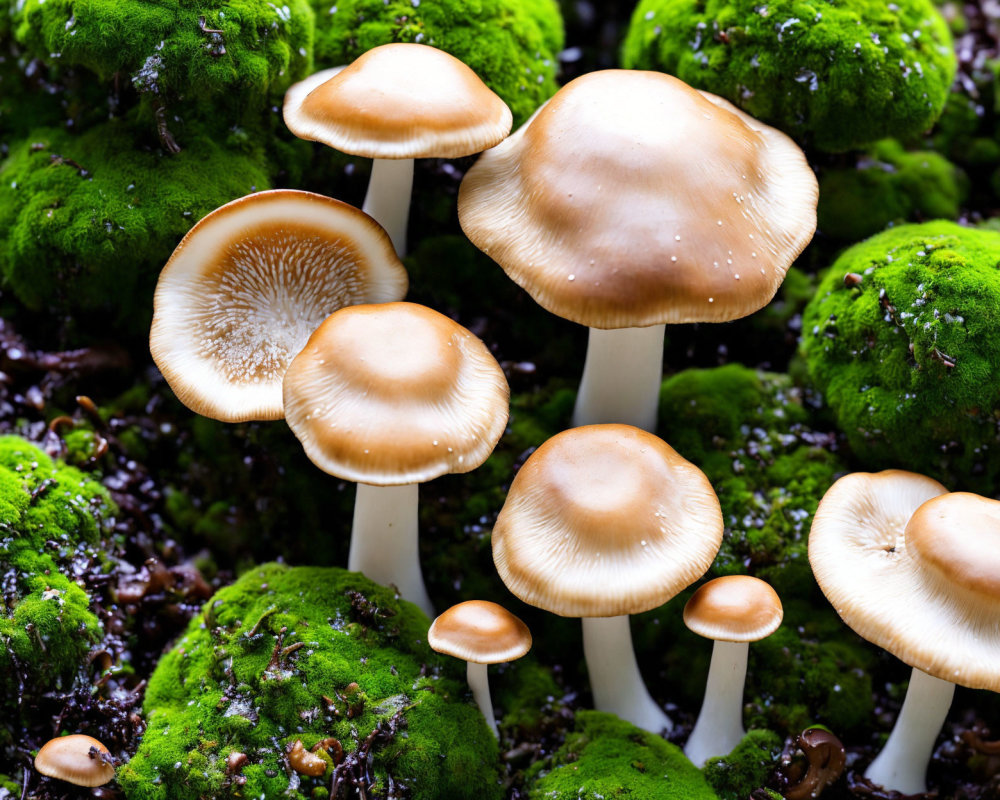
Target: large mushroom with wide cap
392 395
395 103
916 571
630 200
601 522
247 286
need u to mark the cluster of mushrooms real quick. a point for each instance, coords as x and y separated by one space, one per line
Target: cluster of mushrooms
628 201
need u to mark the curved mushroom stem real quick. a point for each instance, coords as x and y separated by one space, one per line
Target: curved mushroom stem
388 198
384 540
720 723
902 764
480 685
621 377
615 680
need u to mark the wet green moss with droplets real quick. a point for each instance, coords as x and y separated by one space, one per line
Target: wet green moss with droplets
735 775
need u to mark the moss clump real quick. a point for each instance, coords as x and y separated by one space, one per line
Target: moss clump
736 775
309 653
511 44
909 357
886 185
837 74
605 757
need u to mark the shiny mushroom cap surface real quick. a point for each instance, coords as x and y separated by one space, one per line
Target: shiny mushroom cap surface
734 608
481 632
630 199
395 393
76 759
605 520
247 286
399 101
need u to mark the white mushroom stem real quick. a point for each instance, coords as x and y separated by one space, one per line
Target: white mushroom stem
720 723
621 377
384 540
388 198
902 764
480 685
615 680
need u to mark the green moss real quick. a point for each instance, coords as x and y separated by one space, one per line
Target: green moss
605 757
736 775
834 73
887 185
511 44
251 673
909 359
527 692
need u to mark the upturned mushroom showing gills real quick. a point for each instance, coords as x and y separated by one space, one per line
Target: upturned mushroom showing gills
246 287
392 395
604 521
916 571
733 611
631 200
393 104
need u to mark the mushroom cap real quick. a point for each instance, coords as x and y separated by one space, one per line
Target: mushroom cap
400 101
605 520
395 393
630 199
734 608
249 283
481 632
914 570
70 759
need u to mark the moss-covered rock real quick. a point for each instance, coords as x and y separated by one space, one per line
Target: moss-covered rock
834 73
888 184
736 775
907 352
605 757
308 653
511 44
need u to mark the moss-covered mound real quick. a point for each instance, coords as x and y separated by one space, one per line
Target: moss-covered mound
834 73
312 655
736 775
511 44
605 757
906 350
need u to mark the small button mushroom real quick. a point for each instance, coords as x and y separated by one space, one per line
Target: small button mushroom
77 759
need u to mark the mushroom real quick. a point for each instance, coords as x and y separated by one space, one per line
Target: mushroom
481 633
916 571
77 759
246 287
395 103
733 611
631 200
604 521
392 395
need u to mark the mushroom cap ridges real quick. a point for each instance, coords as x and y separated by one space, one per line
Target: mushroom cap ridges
395 393
73 759
631 199
929 603
605 520
401 100
734 608
249 283
481 632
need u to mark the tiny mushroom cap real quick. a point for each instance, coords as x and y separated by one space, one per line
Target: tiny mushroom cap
400 101
604 521
395 393
630 199
249 283
734 608
481 632
77 759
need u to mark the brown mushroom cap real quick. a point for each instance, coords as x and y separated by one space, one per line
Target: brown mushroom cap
605 520
734 608
481 632
249 283
401 101
631 199
76 759
914 570
395 393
